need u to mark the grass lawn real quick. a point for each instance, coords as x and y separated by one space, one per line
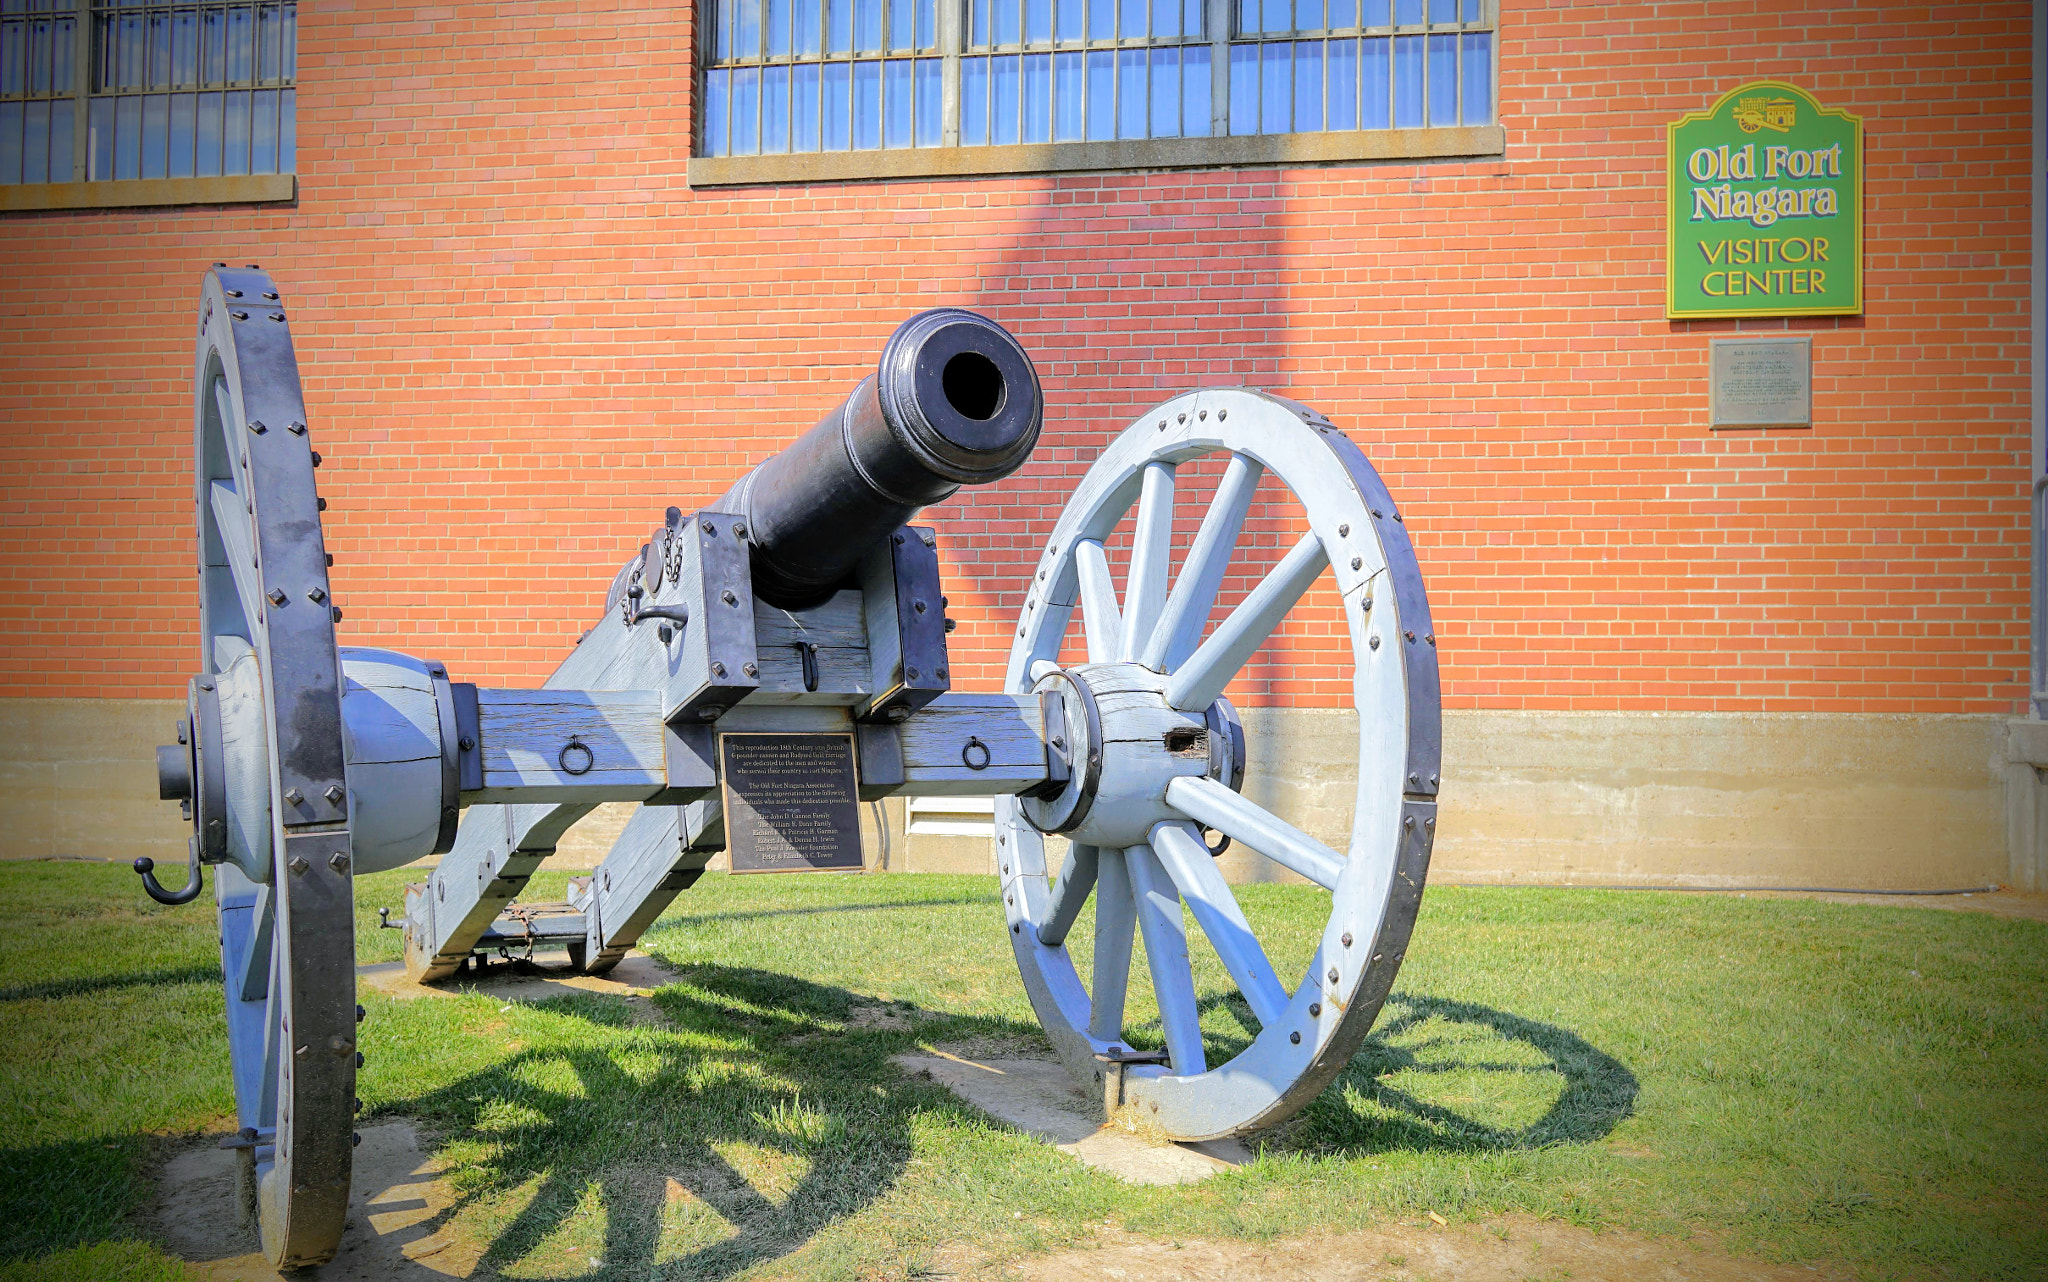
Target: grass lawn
1782 1079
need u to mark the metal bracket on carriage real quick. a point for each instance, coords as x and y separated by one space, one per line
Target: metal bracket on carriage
1114 1061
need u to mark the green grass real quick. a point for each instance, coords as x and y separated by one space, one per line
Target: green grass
1782 1079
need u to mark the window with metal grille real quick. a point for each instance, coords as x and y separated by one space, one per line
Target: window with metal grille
186 89
796 76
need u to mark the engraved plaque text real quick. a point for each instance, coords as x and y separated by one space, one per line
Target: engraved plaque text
790 802
1762 382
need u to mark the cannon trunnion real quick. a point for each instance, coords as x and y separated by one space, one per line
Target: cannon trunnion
802 609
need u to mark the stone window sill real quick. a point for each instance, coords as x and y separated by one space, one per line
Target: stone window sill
1062 157
243 189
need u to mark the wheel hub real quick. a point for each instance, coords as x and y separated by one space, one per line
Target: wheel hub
1122 744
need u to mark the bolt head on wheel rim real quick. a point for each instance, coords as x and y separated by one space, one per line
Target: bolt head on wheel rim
1307 1031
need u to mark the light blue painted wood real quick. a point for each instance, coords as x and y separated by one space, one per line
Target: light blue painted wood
238 541
393 747
1101 617
1193 869
1166 952
1116 924
1180 625
1070 895
1376 886
1211 804
1151 551
1200 681
524 733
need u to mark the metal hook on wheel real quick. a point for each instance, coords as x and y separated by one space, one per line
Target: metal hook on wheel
185 895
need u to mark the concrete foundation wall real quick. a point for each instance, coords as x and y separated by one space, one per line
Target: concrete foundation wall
1674 799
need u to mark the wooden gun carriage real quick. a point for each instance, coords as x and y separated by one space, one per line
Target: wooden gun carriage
797 624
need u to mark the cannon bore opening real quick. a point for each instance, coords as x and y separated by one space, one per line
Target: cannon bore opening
973 386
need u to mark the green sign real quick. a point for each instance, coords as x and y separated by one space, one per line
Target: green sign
1766 208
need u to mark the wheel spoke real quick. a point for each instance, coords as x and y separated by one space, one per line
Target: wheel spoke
1210 803
1077 878
1151 552
1198 683
1180 625
276 1009
1166 949
230 430
1116 919
238 541
255 968
1099 614
1193 869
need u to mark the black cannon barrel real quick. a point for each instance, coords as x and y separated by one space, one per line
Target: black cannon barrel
955 402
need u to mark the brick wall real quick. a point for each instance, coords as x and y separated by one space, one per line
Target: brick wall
523 335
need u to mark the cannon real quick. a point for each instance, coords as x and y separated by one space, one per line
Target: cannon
762 664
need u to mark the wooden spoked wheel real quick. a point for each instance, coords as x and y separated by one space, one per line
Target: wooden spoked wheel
1155 758
265 769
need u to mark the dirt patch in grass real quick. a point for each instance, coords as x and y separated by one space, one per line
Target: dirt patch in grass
1506 1250
397 1219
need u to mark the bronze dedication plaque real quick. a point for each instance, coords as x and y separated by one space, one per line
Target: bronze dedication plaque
791 803
1761 382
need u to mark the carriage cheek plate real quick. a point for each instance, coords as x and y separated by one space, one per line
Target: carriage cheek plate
790 802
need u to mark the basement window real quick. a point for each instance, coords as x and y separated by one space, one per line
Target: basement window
795 90
109 103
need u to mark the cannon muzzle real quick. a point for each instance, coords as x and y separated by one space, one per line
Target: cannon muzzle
955 402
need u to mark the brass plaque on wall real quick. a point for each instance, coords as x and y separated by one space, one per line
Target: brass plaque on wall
791 802
1761 382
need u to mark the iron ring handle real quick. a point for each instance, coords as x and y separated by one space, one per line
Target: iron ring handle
189 892
585 760
975 745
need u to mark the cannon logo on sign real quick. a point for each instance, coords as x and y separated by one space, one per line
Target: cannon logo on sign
1766 208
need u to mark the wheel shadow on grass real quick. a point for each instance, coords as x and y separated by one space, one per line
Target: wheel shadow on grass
756 1111
1449 1076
